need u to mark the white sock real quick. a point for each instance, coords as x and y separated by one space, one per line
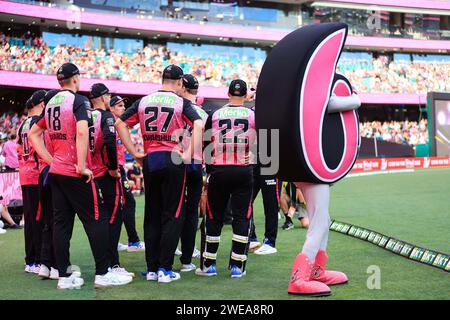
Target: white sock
317 198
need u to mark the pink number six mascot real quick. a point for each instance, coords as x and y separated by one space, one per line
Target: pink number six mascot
314 109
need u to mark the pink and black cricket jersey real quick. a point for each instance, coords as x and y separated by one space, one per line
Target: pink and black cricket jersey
232 134
28 158
104 155
60 118
162 117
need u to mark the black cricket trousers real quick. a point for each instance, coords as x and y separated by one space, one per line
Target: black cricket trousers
270 188
33 228
225 183
129 209
164 210
110 188
72 195
45 215
194 184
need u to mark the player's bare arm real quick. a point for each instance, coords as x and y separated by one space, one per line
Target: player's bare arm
36 138
82 144
124 134
196 141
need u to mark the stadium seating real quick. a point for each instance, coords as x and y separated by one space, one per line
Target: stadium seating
367 73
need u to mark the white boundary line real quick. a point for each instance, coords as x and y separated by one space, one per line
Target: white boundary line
374 173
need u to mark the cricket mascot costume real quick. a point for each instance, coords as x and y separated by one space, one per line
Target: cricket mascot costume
314 109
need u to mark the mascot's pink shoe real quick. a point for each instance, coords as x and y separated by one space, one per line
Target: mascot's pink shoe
301 283
325 276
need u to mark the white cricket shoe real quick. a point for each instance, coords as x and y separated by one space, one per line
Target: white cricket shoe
236 272
54 274
136 246
122 247
196 254
111 279
70 283
29 268
2 231
36 268
254 245
178 252
207 272
265 249
167 276
44 272
152 276
187 267
1 224
121 271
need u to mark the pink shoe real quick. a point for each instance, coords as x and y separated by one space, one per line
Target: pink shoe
301 283
325 276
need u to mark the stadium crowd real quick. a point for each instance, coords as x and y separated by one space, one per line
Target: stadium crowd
402 132
379 75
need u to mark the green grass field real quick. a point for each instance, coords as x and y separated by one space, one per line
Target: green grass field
414 207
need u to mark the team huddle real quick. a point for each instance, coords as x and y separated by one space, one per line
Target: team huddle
72 155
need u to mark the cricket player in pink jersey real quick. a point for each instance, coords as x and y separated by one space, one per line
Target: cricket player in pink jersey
194 181
29 177
67 118
48 269
232 136
117 107
106 171
162 117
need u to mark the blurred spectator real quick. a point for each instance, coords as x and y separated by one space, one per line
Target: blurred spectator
9 152
404 132
135 174
6 221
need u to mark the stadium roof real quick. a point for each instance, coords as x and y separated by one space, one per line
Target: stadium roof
443 6
26 13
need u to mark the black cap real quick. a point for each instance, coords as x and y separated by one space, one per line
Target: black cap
115 100
190 82
66 71
238 88
49 95
172 72
28 104
37 97
97 90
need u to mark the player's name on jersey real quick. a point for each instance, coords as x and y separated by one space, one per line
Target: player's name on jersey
240 112
159 137
160 98
402 248
58 136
